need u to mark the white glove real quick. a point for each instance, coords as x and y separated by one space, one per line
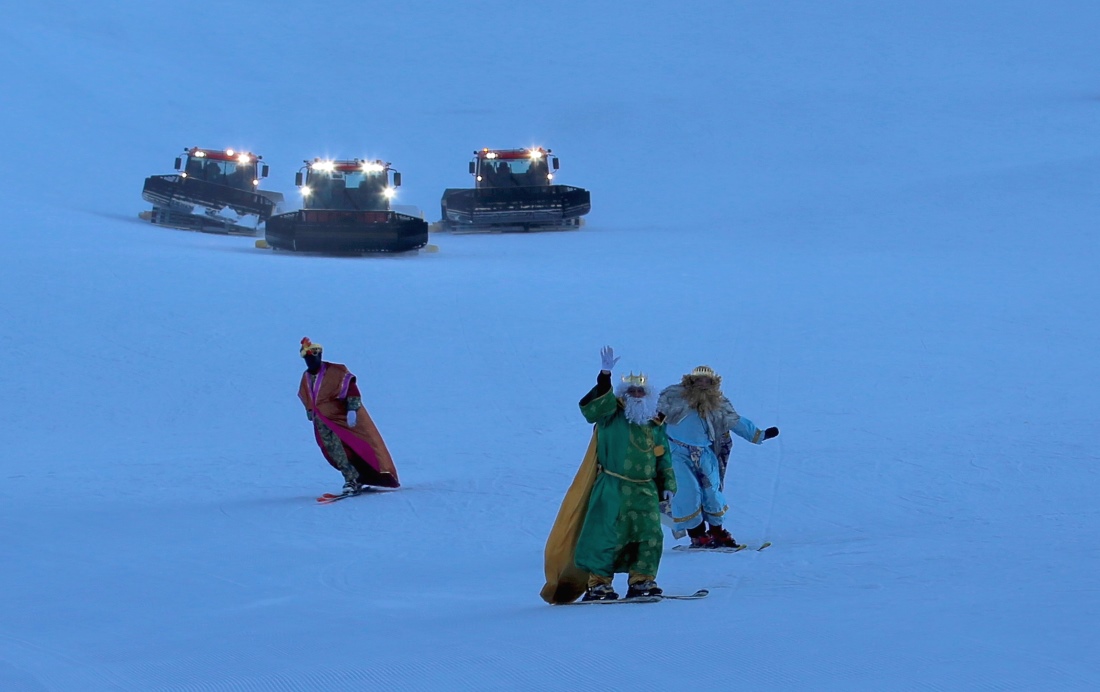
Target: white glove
607 358
351 419
667 496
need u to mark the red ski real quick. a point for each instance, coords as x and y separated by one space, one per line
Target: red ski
329 498
738 549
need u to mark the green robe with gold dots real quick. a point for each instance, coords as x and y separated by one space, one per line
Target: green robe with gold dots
622 527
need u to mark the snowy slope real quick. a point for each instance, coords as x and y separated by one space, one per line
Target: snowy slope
876 220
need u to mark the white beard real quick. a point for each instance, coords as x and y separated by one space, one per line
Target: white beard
640 411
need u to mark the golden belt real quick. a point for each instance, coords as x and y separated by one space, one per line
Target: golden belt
623 478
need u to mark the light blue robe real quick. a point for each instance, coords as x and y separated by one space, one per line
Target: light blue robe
699 495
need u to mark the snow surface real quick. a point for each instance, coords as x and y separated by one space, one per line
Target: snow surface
876 220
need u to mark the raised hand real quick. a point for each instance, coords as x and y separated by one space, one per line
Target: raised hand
607 358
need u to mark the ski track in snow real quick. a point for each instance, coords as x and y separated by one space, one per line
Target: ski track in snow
59 665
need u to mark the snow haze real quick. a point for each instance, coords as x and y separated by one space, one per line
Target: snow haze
877 221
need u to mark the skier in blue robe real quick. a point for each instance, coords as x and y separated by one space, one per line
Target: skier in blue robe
699 420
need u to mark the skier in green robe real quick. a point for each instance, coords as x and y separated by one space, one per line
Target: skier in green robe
622 527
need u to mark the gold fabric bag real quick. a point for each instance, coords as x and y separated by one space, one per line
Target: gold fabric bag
566 583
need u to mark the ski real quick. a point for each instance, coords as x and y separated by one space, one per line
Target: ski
618 601
329 498
701 593
689 549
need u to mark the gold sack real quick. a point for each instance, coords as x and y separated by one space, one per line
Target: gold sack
566 583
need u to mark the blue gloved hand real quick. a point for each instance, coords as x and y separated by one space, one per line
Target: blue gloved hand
351 419
607 358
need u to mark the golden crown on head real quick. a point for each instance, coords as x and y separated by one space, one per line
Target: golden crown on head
633 380
703 371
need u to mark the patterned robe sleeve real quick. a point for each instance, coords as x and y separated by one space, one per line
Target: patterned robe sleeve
747 430
600 404
355 399
601 409
303 395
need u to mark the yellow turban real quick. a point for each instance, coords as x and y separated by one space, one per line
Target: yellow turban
308 346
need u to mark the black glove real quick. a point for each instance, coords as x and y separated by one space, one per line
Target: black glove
771 432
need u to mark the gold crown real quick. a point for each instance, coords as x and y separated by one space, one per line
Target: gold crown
703 371
633 380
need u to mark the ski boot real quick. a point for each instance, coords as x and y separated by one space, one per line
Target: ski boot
703 541
644 589
720 538
600 592
351 488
